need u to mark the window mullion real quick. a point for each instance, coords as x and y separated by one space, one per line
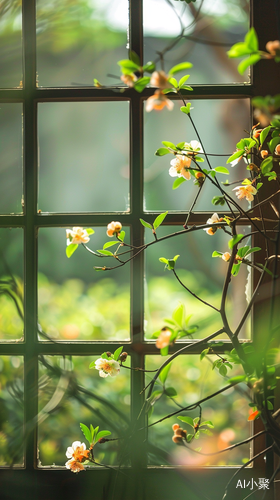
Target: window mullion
30 240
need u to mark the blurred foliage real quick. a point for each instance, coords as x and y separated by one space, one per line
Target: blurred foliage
11 410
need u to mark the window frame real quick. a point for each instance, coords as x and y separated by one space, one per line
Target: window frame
30 95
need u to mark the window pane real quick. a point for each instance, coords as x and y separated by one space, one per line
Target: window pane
11 422
11 284
10 44
202 274
227 411
11 158
220 124
84 397
79 41
74 301
208 37
84 157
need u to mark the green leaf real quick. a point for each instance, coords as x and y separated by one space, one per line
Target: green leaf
218 200
186 109
264 134
92 432
122 235
260 184
272 176
208 423
105 252
217 254
86 432
164 372
238 50
222 170
170 392
146 224
167 91
180 145
187 420
242 251
236 155
92 364
251 40
162 259
269 405
141 83
178 315
251 250
204 353
127 64
164 350
183 80
155 396
134 57
237 379
235 269
180 67
162 152
169 145
110 244
117 353
178 182
189 438
159 220
266 165
89 230
234 240
186 87
149 67
273 143
249 61
102 434
223 370
70 249
173 82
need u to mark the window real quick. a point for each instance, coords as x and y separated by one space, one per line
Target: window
49 103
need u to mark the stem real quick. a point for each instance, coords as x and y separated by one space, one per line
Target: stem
193 294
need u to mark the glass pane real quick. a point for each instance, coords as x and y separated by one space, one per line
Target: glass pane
206 38
74 301
11 421
11 158
84 156
220 123
10 44
228 412
79 41
202 274
11 284
84 397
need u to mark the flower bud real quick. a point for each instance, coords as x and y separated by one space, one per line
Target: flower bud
264 153
253 168
175 427
257 133
273 47
109 354
277 149
122 357
177 439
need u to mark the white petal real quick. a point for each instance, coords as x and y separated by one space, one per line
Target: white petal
103 374
69 452
77 444
173 172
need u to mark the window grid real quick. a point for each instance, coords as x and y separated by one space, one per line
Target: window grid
30 221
